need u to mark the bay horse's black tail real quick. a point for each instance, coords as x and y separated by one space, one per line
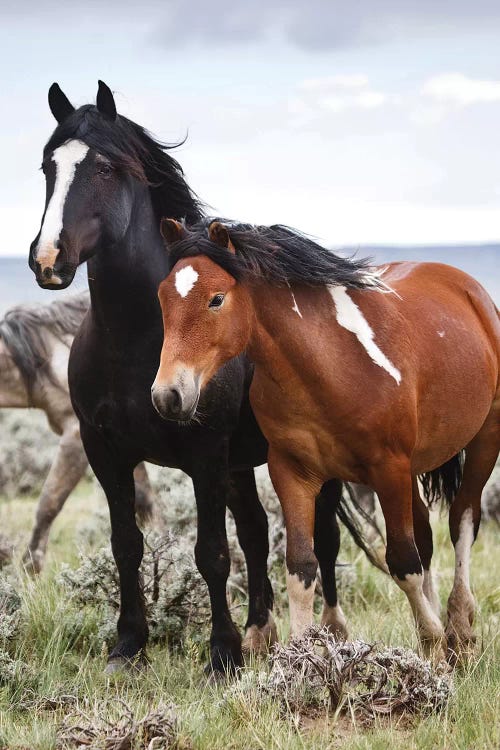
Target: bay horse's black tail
350 512
444 482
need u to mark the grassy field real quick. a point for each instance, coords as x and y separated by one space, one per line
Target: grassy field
54 664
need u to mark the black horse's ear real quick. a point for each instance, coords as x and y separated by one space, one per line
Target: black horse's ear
59 104
105 101
171 231
219 235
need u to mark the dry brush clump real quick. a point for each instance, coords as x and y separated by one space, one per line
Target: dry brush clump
10 606
174 593
112 725
316 673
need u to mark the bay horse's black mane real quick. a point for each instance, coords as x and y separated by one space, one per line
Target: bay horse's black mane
278 254
23 327
133 150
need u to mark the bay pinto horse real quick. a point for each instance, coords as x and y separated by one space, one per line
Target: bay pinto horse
35 342
108 183
371 376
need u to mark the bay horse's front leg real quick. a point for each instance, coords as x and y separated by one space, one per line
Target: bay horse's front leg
253 535
394 489
297 495
211 488
116 476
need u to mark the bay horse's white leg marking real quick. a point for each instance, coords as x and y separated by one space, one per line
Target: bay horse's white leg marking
462 549
349 316
66 159
461 601
428 623
185 279
301 598
334 619
430 592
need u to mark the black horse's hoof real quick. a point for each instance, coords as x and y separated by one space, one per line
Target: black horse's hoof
121 664
224 663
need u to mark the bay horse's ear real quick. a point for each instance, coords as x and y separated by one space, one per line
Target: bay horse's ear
171 231
219 235
59 104
105 101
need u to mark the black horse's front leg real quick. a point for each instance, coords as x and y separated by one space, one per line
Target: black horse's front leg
211 488
117 480
253 536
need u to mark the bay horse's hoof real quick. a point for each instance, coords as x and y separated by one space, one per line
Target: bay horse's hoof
460 649
434 651
259 640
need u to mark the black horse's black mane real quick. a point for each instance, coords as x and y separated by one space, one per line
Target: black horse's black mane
23 331
277 254
132 149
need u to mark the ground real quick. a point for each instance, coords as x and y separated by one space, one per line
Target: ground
56 657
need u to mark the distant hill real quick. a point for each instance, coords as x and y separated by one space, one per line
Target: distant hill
17 283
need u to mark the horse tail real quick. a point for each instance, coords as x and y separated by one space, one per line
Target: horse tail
349 511
444 482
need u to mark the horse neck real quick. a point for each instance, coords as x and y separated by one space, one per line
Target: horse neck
124 278
285 331
13 393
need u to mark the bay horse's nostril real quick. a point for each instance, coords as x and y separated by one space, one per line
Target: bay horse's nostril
47 273
174 401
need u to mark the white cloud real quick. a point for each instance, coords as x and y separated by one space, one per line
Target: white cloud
349 81
456 89
335 94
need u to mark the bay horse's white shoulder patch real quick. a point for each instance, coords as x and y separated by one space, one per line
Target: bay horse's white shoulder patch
349 316
185 279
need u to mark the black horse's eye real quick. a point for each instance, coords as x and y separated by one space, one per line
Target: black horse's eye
217 301
104 169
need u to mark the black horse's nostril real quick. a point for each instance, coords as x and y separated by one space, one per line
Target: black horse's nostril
47 273
174 401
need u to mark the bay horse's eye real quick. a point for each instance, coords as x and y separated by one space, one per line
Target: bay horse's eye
217 301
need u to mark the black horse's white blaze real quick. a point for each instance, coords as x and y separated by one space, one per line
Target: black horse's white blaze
66 158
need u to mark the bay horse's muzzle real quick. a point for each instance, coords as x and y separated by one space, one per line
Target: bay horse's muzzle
177 401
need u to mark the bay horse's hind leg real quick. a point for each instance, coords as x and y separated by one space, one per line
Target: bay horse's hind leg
423 539
394 489
252 529
326 549
465 514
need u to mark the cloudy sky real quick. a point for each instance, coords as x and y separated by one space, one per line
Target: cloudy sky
359 122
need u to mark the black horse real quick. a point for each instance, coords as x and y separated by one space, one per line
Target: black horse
108 185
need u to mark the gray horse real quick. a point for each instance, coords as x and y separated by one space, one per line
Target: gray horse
35 342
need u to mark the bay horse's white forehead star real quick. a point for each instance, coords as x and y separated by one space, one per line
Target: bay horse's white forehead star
185 279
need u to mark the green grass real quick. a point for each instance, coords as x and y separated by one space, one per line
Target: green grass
58 656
